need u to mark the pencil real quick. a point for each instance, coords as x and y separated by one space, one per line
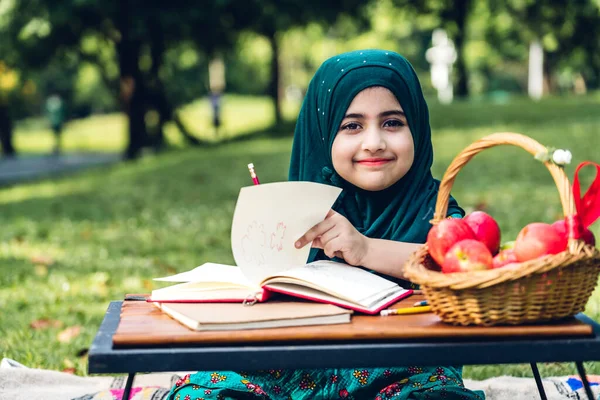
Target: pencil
403 311
253 174
421 303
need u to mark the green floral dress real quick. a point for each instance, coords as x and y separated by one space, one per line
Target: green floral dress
359 383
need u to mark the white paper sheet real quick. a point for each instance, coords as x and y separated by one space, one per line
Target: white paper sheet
210 272
269 218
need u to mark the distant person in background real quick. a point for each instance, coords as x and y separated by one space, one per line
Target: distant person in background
215 102
55 111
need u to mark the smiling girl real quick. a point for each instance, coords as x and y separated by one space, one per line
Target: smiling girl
364 127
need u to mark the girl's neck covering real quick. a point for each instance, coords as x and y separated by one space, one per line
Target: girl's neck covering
402 211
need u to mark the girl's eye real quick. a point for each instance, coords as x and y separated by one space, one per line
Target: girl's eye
393 123
351 126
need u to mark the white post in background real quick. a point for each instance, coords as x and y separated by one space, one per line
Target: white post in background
535 83
441 56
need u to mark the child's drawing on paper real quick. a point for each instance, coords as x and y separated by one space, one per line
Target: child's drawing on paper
256 244
267 220
253 243
277 237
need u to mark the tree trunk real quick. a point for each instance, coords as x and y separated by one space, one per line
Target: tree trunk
593 79
6 131
167 113
461 13
138 133
132 85
159 96
550 64
275 73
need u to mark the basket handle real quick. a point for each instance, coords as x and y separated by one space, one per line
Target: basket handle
496 139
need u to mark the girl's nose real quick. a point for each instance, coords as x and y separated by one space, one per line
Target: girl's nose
373 140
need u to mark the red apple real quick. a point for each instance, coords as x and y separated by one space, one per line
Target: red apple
467 255
446 234
561 227
486 229
538 239
504 257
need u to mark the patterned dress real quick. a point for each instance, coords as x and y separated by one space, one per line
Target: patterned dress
361 383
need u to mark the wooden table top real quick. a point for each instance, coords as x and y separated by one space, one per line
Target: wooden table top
143 324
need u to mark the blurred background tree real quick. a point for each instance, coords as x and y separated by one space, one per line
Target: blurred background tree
149 61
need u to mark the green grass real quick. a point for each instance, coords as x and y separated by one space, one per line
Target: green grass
108 133
70 245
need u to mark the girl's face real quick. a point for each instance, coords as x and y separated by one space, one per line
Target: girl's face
373 147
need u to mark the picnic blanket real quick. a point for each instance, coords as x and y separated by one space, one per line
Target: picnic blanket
17 382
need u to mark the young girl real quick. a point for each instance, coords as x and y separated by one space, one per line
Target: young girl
364 127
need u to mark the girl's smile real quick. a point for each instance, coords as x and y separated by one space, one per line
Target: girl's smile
374 162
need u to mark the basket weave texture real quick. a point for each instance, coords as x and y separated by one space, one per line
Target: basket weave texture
544 289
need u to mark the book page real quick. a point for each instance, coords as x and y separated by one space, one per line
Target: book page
201 292
269 218
340 280
210 272
305 292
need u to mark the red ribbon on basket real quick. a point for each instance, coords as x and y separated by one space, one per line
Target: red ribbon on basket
587 207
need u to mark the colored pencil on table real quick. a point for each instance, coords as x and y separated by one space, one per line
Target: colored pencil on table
403 311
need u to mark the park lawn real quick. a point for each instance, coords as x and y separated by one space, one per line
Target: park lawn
241 115
70 245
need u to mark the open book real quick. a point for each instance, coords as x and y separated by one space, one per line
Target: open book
267 220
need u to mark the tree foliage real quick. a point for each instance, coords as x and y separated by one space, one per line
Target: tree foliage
568 31
150 57
137 35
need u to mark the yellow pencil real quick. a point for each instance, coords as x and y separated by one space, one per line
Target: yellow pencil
408 310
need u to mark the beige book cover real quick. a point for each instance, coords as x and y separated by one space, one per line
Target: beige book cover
272 314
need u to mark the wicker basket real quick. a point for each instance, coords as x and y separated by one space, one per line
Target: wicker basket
544 289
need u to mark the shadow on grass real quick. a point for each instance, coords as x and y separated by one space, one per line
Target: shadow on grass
39 173
182 178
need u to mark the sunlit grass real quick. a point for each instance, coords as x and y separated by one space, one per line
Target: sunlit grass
108 133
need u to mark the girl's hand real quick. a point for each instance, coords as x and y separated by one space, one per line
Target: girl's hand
338 238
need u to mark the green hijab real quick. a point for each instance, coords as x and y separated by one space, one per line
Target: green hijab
402 211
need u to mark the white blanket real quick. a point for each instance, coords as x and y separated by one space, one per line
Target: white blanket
20 383
556 388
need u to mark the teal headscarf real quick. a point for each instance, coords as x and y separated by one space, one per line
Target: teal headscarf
402 211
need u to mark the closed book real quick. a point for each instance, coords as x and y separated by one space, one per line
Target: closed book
273 314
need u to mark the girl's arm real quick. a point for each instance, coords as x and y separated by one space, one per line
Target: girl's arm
388 256
338 238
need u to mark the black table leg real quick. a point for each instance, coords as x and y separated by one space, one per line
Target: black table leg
128 385
538 381
586 384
